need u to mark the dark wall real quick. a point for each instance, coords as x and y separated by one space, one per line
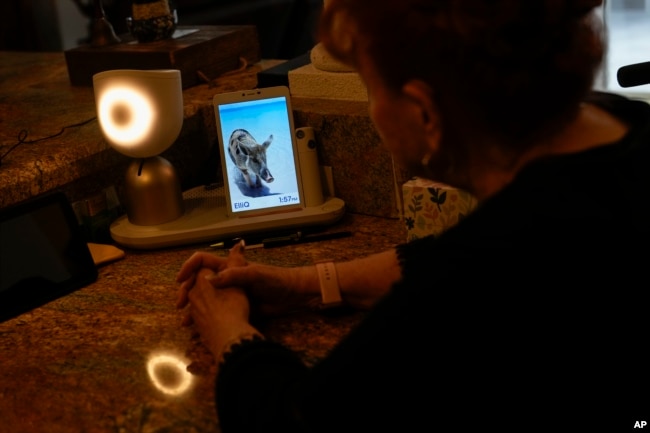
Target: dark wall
285 27
29 25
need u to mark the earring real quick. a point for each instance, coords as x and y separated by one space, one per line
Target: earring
425 159
434 143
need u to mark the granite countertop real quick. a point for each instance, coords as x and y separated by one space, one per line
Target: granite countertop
38 101
81 363
85 362
36 97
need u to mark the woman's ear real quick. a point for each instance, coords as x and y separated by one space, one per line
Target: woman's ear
421 96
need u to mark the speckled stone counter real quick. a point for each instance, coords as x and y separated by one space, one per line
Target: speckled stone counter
112 357
81 363
36 97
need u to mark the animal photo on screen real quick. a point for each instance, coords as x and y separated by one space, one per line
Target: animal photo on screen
249 157
258 148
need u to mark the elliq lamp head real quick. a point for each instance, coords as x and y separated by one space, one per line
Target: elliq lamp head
140 114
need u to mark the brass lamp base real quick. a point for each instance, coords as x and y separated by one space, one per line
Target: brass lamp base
153 192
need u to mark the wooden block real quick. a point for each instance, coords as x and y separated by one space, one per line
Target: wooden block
199 52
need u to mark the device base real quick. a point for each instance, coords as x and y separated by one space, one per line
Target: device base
205 220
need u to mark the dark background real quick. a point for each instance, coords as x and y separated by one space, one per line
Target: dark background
285 27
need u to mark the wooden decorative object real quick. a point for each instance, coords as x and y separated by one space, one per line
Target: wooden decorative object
199 52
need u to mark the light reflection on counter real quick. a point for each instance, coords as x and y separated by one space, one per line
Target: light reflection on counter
168 373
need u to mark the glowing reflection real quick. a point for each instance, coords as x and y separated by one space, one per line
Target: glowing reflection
169 374
126 115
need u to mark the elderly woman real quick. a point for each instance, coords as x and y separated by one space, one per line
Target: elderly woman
529 312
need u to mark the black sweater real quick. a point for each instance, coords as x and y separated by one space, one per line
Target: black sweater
529 314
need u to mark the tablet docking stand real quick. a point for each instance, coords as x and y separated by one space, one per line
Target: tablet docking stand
205 220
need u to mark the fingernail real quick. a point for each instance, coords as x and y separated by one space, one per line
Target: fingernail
239 247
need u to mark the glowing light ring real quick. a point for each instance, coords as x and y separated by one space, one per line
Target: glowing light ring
140 115
179 367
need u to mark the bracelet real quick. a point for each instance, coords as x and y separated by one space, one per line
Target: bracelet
329 284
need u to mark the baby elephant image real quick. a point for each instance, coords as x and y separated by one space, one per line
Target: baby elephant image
250 157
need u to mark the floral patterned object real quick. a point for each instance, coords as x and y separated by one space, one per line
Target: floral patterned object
430 208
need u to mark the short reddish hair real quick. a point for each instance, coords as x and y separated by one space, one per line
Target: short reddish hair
516 68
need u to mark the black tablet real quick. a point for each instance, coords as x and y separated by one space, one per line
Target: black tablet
43 254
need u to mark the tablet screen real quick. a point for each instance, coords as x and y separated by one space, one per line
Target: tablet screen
258 151
43 254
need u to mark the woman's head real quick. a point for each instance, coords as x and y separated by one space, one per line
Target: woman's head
512 70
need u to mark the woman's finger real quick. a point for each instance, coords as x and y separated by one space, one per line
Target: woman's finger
183 291
197 261
187 319
227 278
236 254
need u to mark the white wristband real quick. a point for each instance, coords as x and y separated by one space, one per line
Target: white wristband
329 284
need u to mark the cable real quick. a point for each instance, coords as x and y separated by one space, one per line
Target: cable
22 137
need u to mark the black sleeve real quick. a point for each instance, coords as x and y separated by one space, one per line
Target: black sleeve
254 387
367 383
471 338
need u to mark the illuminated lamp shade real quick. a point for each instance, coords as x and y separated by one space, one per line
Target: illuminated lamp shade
140 114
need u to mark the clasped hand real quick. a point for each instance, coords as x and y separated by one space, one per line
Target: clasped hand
218 315
220 292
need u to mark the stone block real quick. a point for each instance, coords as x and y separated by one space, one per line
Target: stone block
309 82
363 171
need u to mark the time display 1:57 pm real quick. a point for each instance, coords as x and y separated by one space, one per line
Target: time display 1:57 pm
284 199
